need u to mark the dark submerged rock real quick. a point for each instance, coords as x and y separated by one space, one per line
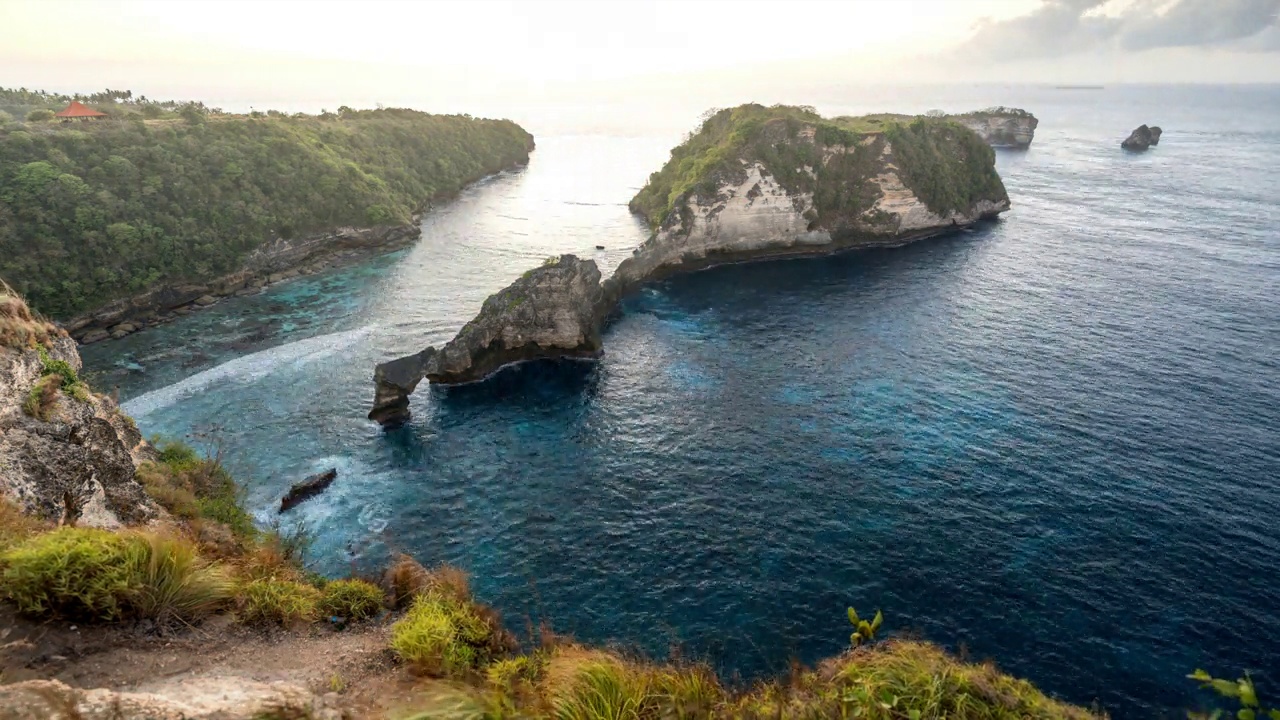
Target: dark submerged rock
307 489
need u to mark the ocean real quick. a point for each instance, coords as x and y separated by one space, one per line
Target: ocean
1052 442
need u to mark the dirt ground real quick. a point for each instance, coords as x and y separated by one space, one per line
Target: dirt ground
354 662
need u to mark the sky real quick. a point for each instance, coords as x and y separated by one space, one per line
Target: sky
300 54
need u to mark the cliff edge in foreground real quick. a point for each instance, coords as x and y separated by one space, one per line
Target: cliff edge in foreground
66 453
753 183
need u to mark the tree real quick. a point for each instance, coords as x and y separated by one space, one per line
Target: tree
40 115
192 114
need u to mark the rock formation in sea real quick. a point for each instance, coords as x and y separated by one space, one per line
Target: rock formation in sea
753 183
1142 138
555 310
1001 127
66 453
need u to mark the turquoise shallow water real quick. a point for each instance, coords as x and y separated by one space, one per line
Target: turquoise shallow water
1052 441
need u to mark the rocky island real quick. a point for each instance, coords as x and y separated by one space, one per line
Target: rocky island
1142 138
752 183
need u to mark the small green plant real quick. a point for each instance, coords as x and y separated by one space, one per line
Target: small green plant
336 683
351 599
71 383
441 636
1241 690
278 602
863 631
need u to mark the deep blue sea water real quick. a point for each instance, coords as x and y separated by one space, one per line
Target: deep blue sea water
1053 442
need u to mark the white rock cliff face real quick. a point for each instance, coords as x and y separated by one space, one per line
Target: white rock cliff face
756 217
1001 130
78 465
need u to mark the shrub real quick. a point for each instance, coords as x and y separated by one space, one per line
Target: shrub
40 115
70 384
191 487
440 636
75 573
173 581
278 602
352 599
406 578
900 679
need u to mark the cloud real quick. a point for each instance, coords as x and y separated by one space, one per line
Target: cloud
1068 27
1191 23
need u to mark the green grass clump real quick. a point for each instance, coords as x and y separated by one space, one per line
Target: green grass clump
96 575
278 602
352 599
173 581
442 636
73 573
599 687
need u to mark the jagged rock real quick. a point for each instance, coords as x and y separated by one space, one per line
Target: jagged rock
552 311
1142 138
79 462
796 184
307 489
206 300
1001 127
215 698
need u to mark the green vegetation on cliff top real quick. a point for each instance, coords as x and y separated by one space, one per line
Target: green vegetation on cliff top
948 166
94 211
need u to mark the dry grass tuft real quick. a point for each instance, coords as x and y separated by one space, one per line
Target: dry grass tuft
22 328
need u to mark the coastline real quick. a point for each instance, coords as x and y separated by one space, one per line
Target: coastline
276 261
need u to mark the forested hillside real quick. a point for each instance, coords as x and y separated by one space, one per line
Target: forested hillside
93 211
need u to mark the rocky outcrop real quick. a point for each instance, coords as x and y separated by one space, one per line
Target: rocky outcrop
215 698
552 311
307 489
278 260
63 457
1142 138
1001 127
789 184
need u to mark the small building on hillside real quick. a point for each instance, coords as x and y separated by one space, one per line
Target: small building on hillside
78 111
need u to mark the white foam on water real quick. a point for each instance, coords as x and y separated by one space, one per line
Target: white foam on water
246 369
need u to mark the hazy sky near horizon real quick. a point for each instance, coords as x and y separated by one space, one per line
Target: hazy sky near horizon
306 54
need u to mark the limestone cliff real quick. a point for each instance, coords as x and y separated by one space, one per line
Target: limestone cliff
1001 127
65 452
752 183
